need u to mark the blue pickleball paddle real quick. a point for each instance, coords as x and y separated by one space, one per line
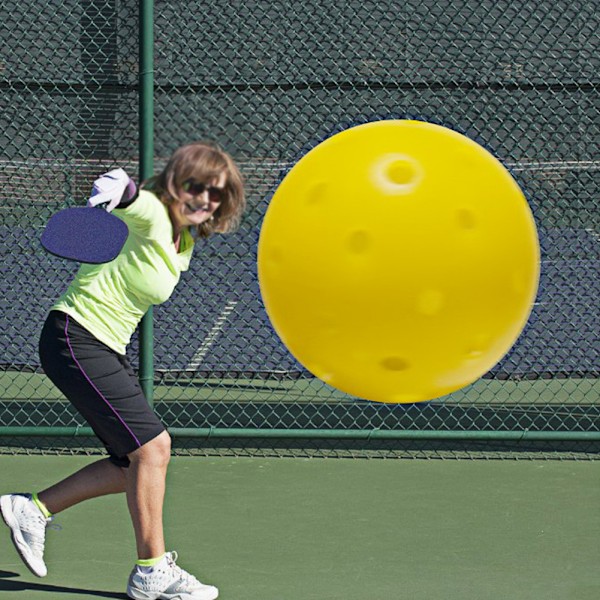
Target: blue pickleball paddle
85 234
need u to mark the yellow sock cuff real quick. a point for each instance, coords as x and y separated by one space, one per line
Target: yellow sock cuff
41 505
149 562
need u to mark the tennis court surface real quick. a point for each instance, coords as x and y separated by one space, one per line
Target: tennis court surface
292 529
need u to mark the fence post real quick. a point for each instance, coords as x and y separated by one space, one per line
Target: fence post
146 169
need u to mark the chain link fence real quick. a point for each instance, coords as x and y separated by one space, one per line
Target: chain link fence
270 80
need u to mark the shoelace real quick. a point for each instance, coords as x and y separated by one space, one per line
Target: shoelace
181 573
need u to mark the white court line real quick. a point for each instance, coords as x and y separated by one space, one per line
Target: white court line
594 234
211 336
567 165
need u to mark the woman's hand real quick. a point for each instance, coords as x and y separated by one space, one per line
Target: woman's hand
112 188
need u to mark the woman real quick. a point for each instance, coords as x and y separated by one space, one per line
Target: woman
82 349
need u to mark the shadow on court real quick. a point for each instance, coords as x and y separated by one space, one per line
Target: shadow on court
9 584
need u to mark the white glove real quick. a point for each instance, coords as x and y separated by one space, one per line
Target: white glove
111 188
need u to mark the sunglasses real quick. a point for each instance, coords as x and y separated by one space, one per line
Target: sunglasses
197 188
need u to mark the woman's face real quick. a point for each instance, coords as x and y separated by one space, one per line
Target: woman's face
197 201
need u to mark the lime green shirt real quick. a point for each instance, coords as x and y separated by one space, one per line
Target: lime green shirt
110 299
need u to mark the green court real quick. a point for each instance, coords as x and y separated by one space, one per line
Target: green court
292 529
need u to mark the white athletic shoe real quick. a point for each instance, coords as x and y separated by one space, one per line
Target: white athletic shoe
27 528
167 581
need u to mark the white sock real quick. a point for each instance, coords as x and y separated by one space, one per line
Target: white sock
146 569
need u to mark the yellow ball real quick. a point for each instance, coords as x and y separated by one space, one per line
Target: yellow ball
398 261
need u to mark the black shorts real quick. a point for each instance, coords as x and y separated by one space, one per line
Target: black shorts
101 385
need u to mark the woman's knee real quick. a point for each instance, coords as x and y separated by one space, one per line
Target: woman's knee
156 451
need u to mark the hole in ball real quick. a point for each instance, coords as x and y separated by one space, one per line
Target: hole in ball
274 255
401 172
395 363
430 302
466 218
316 194
359 242
396 174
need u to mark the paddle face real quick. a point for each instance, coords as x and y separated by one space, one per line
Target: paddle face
85 234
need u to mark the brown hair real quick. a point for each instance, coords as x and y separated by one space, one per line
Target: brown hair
203 161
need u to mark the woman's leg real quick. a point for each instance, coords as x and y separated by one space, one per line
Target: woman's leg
143 481
27 521
104 388
146 477
97 479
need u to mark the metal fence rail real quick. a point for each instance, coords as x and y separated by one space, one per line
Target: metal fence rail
270 80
